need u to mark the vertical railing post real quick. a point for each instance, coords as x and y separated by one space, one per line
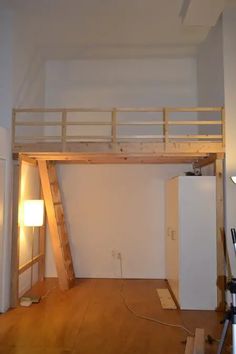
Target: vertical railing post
223 125
13 132
113 126
165 128
41 246
63 129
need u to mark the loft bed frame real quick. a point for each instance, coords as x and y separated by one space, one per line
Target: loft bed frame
64 135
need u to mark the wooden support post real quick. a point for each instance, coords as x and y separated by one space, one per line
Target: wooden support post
29 264
221 278
63 130
42 244
165 127
113 127
28 160
13 131
15 234
223 126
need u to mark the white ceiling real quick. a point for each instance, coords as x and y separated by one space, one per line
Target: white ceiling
108 28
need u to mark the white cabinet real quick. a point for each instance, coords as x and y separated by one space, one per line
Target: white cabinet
191 241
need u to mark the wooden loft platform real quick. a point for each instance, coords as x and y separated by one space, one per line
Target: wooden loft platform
119 135
199 160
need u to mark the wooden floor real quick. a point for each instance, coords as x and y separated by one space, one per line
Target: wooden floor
91 318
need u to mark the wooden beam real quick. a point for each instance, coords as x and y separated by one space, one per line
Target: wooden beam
120 147
195 136
27 159
113 127
63 129
13 133
205 161
166 127
221 277
194 109
109 109
30 263
122 158
42 246
195 122
223 125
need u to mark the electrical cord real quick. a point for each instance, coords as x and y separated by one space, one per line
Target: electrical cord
47 293
208 338
143 317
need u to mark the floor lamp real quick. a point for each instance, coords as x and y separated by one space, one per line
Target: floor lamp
33 217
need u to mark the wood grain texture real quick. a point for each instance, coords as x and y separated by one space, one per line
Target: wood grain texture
199 341
53 227
42 245
189 346
199 159
91 318
166 299
59 239
62 140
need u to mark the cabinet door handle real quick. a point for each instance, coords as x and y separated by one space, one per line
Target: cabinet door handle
169 231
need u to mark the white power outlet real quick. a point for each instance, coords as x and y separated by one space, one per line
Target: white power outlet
116 254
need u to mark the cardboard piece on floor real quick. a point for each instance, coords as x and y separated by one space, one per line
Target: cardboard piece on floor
166 299
189 345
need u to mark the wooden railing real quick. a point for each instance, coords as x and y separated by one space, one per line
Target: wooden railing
117 125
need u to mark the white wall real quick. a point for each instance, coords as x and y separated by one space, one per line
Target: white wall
118 207
6 37
216 86
21 84
210 76
229 47
96 83
115 207
210 71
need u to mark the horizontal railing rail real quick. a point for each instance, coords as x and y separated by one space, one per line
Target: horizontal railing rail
114 125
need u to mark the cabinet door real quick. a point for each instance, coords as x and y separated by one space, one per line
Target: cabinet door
172 236
198 242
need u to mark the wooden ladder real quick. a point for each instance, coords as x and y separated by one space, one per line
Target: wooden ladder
56 222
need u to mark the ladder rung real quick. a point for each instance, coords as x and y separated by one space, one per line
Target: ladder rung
68 263
60 223
65 243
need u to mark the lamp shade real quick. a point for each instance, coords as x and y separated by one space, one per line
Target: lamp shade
33 212
233 178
